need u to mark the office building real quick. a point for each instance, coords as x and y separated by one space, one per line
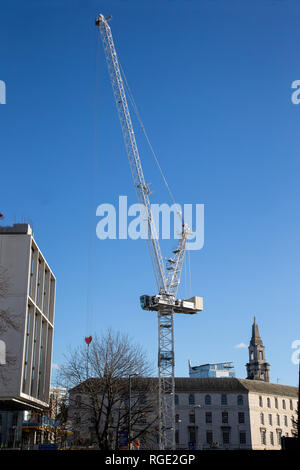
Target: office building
27 319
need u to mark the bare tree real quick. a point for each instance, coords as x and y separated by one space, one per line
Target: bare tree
98 376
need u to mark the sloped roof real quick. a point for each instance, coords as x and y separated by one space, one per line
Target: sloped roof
218 384
224 384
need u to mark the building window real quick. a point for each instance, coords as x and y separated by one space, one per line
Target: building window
207 399
242 437
262 418
283 404
260 401
38 282
276 402
279 432
177 420
226 437
176 400
223 399
241 418
177 436
268 402
224 417
77 419
285 420
192 434
192 417
31 273
278 420
291 404
271 438
78 401
208 417
191 399
240 400
263 436
209 437
270 420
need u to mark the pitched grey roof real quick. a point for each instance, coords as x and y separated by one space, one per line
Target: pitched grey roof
186 384
212 385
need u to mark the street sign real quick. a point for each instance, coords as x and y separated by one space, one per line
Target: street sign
123 440
47 447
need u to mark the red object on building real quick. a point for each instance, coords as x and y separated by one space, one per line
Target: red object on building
1 215
88 339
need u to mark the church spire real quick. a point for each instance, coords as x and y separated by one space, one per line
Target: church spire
257 367
256 339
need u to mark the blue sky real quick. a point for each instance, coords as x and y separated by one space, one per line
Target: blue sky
212 80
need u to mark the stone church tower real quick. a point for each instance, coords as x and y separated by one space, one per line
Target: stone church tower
257 367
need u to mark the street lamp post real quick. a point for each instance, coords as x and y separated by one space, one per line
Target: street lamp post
195 407
129 409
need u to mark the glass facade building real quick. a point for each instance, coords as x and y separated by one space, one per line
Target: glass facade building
219 369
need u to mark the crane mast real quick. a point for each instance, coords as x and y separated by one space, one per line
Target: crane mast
165 302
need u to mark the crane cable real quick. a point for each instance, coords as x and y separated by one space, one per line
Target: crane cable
135 108
131 98
89 317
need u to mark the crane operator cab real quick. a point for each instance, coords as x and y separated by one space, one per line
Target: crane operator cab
159 302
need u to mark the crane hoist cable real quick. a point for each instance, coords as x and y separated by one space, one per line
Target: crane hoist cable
135 108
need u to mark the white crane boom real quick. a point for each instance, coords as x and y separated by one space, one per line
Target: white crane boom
140 185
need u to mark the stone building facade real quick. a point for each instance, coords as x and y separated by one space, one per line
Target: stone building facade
215 413
231 413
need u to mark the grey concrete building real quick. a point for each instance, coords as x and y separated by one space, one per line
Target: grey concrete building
26 320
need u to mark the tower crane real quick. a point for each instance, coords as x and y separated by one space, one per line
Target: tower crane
165 302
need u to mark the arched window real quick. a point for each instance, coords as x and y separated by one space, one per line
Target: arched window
207 399
223 399
191 399
268 403
283 404
240 400
261 354
276 402
260 401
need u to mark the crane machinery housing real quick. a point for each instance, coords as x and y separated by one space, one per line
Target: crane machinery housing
165 302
